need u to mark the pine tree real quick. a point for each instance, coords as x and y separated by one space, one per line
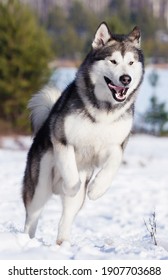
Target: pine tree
156 115
25 51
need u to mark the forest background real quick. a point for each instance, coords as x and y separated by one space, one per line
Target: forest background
30 42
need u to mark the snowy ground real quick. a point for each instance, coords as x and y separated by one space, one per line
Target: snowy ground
109 228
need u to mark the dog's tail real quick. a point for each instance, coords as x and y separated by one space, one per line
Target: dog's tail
40 106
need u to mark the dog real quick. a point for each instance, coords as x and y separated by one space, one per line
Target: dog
80 134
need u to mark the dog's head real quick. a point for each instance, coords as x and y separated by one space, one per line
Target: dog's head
117 64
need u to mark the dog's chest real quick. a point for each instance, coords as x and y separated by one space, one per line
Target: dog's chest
82 132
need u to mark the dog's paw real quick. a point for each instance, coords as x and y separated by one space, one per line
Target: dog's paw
71 191
63 243
95 191
95 194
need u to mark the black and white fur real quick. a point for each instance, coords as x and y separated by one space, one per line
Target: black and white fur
82 130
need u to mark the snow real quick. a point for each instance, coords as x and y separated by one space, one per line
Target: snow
110 228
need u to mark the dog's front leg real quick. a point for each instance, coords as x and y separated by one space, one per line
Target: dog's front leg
105 176
64 157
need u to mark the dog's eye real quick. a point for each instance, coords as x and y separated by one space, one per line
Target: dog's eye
131 62
113 61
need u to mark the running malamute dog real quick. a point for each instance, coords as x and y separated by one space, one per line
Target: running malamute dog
80 134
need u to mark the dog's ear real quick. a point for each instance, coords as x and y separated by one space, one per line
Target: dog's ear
102 36
135 37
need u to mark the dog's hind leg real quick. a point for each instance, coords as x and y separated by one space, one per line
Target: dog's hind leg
71 206
35 207
42 193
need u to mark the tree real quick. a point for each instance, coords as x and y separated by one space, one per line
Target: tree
82 19
72 32
56 21
119 16
25 53
156 115
65 40
116 25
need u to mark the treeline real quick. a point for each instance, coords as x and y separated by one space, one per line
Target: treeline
28 44
71 32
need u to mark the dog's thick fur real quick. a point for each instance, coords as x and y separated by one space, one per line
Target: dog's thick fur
83 130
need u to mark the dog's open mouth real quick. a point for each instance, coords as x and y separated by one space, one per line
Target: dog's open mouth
118 92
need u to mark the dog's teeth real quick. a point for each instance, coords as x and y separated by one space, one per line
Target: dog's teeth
120 91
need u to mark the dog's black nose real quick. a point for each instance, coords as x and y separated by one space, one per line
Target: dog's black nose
125 79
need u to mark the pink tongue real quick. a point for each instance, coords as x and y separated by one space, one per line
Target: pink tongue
117 88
